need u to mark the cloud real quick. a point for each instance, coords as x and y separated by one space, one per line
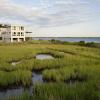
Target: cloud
11 11
65 12
50 13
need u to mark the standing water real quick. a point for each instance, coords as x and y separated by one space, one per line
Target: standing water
37 78
44 56
5 93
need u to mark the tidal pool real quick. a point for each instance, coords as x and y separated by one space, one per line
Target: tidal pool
44 56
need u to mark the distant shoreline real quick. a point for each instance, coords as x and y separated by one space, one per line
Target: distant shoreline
66 37
70 39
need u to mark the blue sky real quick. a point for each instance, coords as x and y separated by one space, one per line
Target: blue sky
54 17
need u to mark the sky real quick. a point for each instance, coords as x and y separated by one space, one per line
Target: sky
54 18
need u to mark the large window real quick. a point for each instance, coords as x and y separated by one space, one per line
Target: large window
18 34
14 27
22 28
14 33
22 34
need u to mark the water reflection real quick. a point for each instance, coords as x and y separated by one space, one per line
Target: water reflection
44 56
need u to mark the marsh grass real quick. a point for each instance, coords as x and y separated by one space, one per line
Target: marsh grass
61 91
71 63
8 79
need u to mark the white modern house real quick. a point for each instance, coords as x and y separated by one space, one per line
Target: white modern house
13 33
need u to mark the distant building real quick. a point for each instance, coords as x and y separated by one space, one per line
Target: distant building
13 33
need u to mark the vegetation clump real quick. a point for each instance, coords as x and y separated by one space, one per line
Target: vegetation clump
15 78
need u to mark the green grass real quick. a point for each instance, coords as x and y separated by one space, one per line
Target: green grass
15 78
71 62
61 91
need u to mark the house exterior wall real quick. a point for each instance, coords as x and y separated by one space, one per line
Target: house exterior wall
17 33
4 31
14 33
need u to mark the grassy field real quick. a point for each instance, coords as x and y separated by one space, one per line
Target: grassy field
73 74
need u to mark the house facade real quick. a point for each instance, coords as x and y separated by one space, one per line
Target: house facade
14 33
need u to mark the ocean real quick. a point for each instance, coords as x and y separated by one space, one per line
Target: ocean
71 39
